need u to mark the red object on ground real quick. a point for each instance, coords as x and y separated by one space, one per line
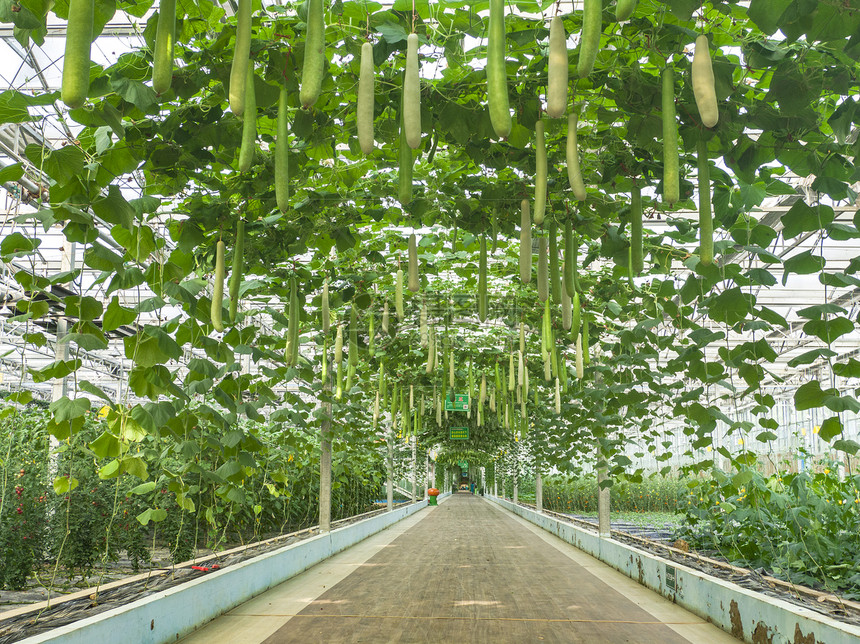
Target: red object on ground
432 492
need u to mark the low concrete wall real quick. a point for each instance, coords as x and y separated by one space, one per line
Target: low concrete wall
166 616
749 616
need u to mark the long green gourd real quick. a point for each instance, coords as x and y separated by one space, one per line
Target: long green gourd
542 277
76 61
238 267
215 312
554 272
706 218
525 242
324 309
413 282
671 187
482 280
162 53
412 94
569 259
540 173
704 89
592 23
398 294
241 58
353 336
574 173
497 75
404 173
249 124
557 77
282 154
366 99
314 63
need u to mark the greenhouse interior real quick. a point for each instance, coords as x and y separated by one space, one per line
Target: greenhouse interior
407 321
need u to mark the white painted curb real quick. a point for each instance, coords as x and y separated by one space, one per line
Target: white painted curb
747 615
169 615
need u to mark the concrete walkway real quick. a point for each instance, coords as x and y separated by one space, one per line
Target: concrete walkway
466 571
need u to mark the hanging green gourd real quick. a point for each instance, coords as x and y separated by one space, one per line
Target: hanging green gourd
353 336
238 267
671 187
574 172
216 310
162 53
482 280
282 153
371 333
566 309
325 314
569 259
580 363
704 88
398 294
412 94
592 23
557 64
554 272
249 124
576 316
241 57
314 62
525 242
431 353
406 160
338 345
557 398
540 173
542 277
497 78
365 106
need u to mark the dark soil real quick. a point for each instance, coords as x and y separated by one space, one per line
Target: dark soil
659 541
94 602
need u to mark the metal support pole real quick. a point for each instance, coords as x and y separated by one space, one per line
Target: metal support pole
603 524
325 460
414 469
426 475
389 463
538 491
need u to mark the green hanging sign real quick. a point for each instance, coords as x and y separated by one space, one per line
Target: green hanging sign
461 402
459 433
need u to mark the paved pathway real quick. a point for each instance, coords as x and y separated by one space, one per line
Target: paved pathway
466 571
